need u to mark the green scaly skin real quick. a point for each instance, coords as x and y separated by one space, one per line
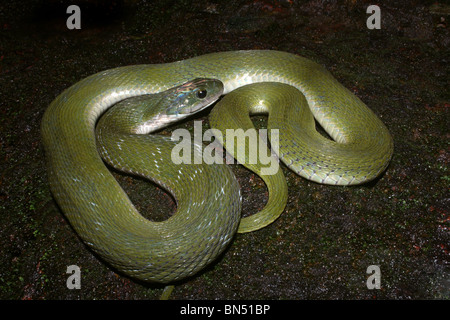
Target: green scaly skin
102 214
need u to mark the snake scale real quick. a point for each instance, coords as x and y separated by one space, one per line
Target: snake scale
208 197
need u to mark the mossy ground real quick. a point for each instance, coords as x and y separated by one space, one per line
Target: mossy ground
321 246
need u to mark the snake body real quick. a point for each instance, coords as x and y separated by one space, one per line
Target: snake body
100 211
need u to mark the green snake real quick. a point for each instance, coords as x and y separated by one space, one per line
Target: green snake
208 197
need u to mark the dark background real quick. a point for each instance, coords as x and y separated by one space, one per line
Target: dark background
323 243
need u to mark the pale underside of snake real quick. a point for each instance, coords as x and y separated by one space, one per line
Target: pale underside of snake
208 197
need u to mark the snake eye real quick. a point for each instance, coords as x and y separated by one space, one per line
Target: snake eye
201 94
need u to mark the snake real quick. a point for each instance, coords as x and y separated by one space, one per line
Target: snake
358 149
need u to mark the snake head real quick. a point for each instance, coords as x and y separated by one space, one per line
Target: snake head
193 96
151 112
